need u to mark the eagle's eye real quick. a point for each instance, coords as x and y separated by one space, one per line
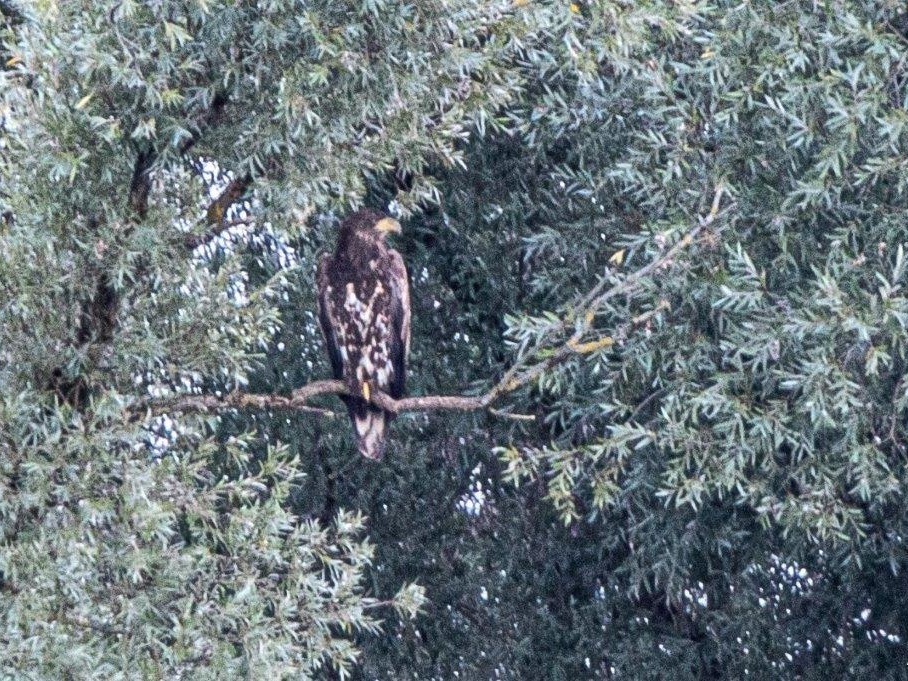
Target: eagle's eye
388 225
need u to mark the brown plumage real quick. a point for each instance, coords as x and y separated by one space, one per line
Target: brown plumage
364 312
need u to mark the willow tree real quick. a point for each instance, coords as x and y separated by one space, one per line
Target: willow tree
133 543
663 241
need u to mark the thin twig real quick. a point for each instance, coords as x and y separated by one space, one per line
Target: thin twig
647 400
509 415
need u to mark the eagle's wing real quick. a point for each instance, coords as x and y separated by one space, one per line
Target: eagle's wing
326 318
400 323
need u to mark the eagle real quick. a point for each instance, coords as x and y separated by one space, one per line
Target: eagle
364 312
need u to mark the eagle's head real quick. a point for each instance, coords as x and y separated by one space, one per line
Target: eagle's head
368 224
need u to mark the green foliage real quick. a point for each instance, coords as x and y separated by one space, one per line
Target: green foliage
713 484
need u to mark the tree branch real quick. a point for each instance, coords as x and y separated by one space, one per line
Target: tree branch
217 212
195 240
299 400
11 12
209 119
521 373
140 186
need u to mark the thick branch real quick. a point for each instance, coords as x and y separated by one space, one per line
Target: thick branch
140 187
217 209
217 212
99 314
520 374
299 400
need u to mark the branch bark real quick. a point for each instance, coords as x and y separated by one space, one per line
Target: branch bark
299 400
521 373
217 212
99 314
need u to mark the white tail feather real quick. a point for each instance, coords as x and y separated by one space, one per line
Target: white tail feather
370 434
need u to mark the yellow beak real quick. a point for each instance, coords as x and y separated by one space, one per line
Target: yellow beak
388 225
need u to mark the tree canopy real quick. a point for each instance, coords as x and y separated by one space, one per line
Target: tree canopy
657 253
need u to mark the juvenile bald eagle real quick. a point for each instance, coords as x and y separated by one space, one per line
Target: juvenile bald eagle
364 311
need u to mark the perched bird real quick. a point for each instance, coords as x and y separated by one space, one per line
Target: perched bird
364 312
